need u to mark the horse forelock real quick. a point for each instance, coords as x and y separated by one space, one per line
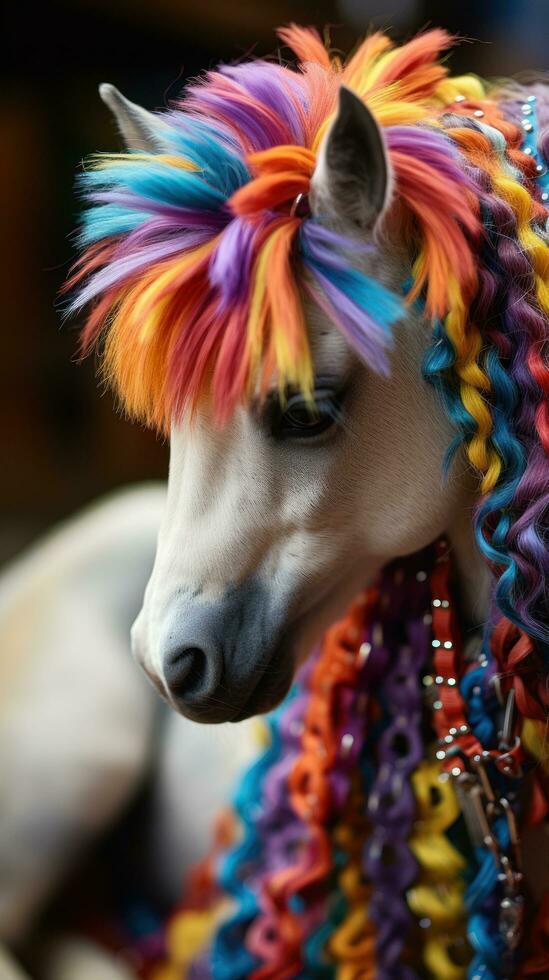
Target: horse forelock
199 258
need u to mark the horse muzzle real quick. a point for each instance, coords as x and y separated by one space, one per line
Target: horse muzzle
222 660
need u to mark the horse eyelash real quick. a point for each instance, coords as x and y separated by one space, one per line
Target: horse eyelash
339 415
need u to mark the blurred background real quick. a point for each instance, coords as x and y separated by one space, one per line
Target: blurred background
62 443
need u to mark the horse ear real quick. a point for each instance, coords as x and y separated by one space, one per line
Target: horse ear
351 180
140 129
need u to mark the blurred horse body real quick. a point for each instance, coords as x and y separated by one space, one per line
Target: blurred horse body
79 726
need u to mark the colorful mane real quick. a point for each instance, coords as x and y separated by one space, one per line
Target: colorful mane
197 264
199 259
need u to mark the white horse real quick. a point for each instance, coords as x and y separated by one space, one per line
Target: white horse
269 527
77 729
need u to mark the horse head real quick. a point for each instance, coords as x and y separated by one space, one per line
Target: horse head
277 517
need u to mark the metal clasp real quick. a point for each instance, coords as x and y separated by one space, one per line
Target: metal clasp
470 793
506 738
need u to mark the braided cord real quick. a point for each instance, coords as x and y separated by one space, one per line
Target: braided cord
352 944
437 897
314 897
389 861
230 959
474 387
318 783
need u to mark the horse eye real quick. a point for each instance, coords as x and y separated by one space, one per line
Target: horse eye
301 419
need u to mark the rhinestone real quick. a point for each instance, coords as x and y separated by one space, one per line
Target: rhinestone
451 682
459 98
478 113
427 680
443 777
347 743
437 705
452 731
527 126
476 759
445 604
540 169
364 652
421 576
441 754
527 109
528 151
464 729
437 603
447 644
424 923
532 98
435 643
448 739
439 679
545 196
477 691
456 771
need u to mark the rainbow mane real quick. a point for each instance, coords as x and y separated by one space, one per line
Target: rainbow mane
201 266
197 264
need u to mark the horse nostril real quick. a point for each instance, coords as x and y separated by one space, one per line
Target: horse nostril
186 672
